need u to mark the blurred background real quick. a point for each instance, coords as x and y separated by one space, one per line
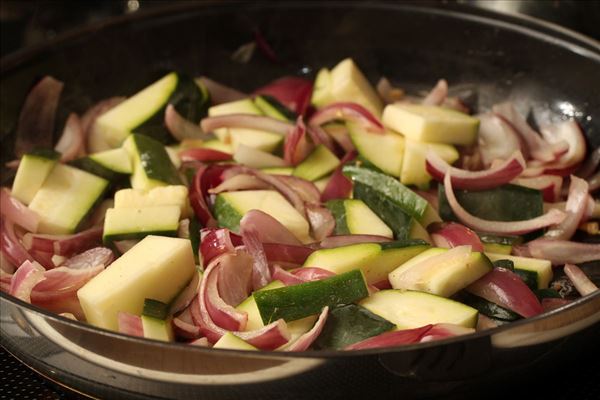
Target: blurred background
25 23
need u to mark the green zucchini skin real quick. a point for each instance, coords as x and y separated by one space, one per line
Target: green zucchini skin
155 309
273 108
190 102
49 154
338 210
91 166
155 160
504 203
299 301
488 308
349 324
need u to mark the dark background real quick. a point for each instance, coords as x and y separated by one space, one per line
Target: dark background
28 23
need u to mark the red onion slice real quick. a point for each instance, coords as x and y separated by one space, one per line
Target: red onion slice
64 245
90 258
185 297
72 141
304 341
451 234
62 282
437 95
321 221
346 240
224 315
549 303
27 276
240 182
293 92
249 121
297 147
387 92
552 217
11 246
475 180
287 278
339 186
590 165
17 212
130 324
349 112
185 330
497 139
576 208
180 127
36 120
539 148
197 199
204 155
214 242
268 229
287 254
220 93
261 275
309 274
307 190
569 132
235 276
582 283
559 252
549 185
507 289
443 331
392 339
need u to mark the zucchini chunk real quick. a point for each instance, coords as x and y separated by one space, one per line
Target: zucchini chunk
152 166
33 170
353 216
230 207
113 165
318 164
296 328
172 195
230 341
530 269
156 321
431 123
271 107
156 268
375 260
299 301
384 150
444 278
137 223
350 324
66 197
504 203
499 244
487 308
409 309
144 112
414 171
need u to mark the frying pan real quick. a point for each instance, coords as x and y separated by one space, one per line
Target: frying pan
547 71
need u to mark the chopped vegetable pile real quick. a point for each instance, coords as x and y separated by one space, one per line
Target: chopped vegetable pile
306 215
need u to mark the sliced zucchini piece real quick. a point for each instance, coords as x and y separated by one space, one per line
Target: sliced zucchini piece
487 308
499 244
144 112
444 278
540 271
431 123
230 341
158 329
384 150
66 198
349 84
376 260
271 107
113 165
504 203
319 163
350 324
409 309
321 94
230 207
353 216
414 171
156 268
299 301
33 170
155 309
296 328
279 170
137 223
172 195
152 165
